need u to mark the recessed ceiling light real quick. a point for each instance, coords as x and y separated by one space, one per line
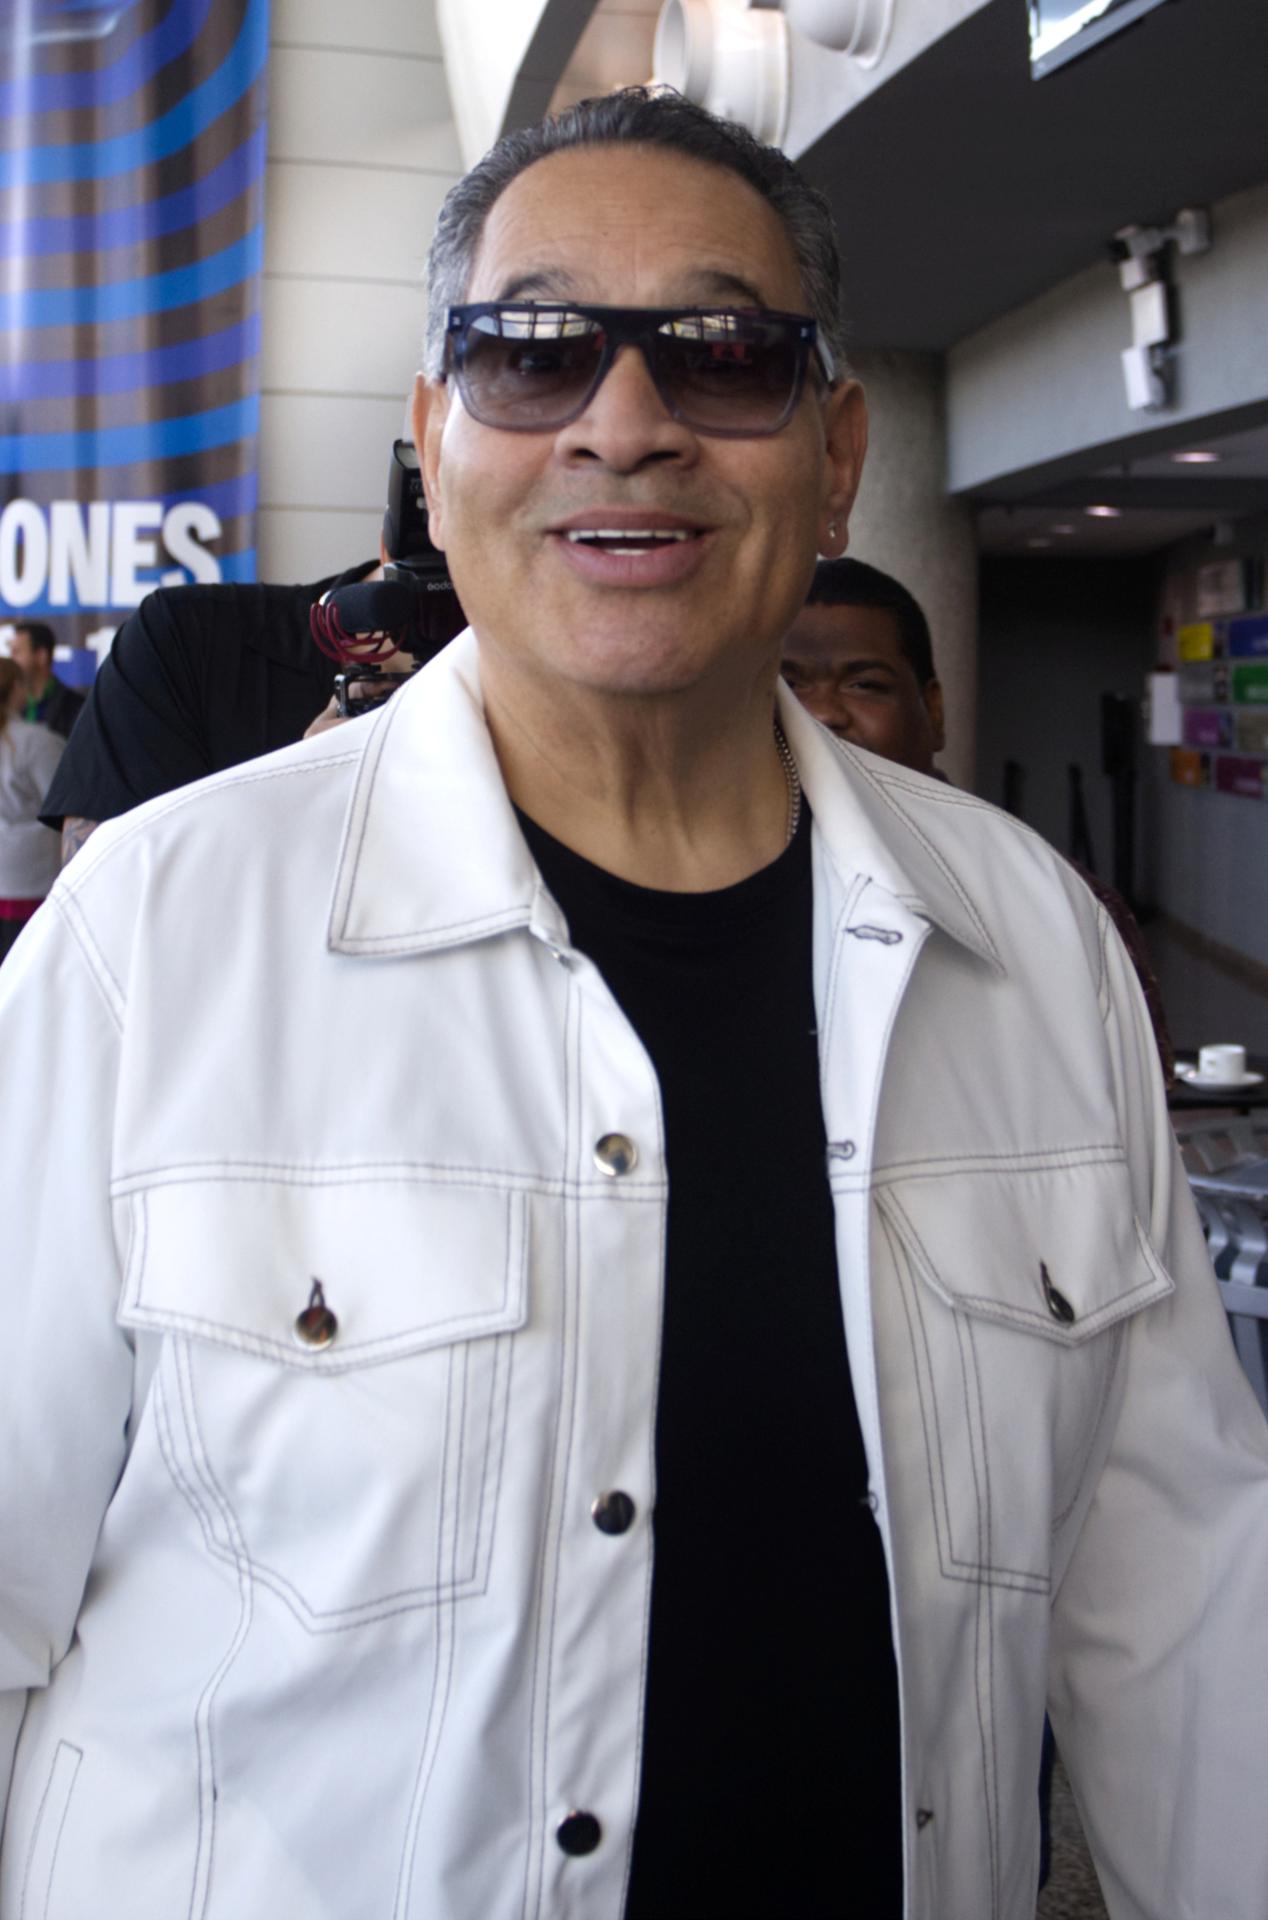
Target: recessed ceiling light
1197 457
1038 540
1064 527
1103 513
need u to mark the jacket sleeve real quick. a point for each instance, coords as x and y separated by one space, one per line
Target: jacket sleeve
65 1365
1160 1625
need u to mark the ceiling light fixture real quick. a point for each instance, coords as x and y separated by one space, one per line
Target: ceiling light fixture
1197 457
1064 526
1103 513
730 58
857 27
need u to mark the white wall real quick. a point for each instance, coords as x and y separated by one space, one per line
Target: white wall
1211 867
504 59
1045 382
905 523
362 149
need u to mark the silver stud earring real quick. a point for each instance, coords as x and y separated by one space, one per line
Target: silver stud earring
832 529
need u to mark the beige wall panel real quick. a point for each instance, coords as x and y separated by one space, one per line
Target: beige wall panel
385 26
325 452
905 523
363 109
299 546
350 221
362 150
331 337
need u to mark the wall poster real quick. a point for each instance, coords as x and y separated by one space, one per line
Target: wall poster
132 146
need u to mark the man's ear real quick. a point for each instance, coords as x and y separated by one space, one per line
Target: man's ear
845 445
932 692
428 411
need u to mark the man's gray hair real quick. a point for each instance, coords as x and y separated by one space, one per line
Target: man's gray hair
645 116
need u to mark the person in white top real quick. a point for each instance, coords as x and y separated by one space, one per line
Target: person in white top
29 855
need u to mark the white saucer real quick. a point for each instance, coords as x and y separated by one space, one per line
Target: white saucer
1192 1078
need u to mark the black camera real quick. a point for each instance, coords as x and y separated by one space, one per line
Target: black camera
412 557
413 608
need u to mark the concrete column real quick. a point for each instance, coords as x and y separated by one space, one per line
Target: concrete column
906 523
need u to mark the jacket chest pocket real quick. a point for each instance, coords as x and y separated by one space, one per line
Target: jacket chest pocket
1010 1291
351 1465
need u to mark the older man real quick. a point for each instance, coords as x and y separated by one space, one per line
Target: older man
532 1451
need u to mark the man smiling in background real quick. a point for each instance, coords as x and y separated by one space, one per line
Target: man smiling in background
859 657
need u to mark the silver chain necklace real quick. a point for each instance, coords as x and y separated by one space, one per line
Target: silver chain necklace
793 779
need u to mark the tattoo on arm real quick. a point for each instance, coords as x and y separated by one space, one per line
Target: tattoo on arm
74 833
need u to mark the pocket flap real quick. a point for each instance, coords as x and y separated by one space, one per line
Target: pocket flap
1055 1250
404 1264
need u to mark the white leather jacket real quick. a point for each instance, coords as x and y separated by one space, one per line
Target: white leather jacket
329 1631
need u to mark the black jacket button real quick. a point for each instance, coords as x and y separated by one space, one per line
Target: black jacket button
578 1833
613 1512
1058 1306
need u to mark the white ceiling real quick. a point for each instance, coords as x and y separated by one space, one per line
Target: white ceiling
1160 499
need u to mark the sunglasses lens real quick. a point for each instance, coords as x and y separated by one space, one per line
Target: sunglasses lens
528 370
533 368
727 373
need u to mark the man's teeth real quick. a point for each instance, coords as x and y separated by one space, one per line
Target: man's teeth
628 539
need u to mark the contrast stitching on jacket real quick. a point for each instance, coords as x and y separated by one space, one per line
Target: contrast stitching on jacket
316 1620
572 1350
1094 1427
163 1429
444 1638
357 1173
1037 1160
941 1519
500 1410
189 795
980 1603
853 891
94 959
371 755
140 1243
1103 996
571 1065
405 938
63 1746
989 1521
202 1716
1118 1309
262 1346
987 1306
952 1566
503 1400
879 788
984 1606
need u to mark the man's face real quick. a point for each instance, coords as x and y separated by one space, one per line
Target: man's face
635 226
29 661
847 666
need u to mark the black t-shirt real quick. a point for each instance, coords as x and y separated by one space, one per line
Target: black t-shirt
197 679
770 1780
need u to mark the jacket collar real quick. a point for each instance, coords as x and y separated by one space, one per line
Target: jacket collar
432 855
891 824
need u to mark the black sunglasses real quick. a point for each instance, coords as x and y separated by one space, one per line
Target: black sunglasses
530 367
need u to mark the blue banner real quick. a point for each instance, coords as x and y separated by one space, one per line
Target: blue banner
132 151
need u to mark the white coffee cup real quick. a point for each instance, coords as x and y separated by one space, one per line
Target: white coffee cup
1222 1063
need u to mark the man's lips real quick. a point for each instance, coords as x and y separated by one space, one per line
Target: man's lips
631 546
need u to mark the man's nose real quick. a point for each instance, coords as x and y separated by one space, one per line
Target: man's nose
824 699
627 422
